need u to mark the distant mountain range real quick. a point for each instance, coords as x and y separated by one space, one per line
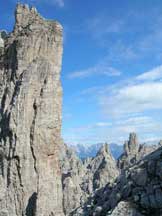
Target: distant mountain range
85 151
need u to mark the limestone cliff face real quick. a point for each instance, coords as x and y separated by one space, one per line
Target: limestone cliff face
30 116
73 171
101 170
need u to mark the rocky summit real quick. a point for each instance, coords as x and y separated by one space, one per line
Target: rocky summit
136 191
30 116
82 178
134 151
39 174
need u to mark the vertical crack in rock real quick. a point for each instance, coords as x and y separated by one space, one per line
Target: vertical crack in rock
32 148
18 169
1 161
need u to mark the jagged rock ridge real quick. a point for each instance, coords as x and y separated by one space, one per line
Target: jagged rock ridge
137 189
139 186
30 116
82 178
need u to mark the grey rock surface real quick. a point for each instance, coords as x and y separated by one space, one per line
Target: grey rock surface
125 209
134 191
1 42
72 172
30 117
3 36
140 185
101 170
134 151
131 150
82 178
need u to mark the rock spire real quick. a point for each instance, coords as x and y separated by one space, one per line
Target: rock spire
30 117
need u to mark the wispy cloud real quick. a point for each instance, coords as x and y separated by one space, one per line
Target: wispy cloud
147 129
141 93
129 105
103 124
132 104
59 3
152 75
144 124
130 37
136 120
101 68
130 96
102 25
135 98
88 134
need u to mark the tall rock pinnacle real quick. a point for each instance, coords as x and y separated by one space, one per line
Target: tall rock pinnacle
131 149
133 144
134 151
30 117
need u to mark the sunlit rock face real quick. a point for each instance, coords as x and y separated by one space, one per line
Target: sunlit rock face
30 116
1 42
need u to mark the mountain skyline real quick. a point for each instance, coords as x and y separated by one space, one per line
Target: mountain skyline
112 67
84 151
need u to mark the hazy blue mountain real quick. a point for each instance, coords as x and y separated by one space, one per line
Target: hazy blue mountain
116 150
84 151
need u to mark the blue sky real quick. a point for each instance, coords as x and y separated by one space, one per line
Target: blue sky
112 66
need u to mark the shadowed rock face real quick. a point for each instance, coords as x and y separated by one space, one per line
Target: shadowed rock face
30 116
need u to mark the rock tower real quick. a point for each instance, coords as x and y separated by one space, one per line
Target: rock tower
30 116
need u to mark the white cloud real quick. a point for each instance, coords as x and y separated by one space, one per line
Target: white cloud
139 94
103 124
135 120
118 131
129 106
152 75
133 99
144 124
101 68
